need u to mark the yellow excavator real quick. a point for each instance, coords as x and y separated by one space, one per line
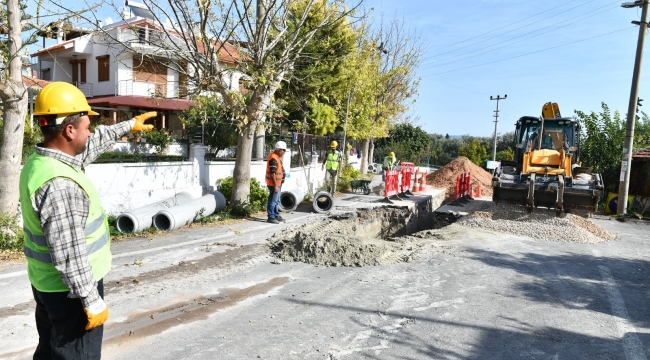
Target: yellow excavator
546 169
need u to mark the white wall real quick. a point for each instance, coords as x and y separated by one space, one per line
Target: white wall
127 186
124 71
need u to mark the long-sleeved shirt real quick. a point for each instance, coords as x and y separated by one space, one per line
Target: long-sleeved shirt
63 206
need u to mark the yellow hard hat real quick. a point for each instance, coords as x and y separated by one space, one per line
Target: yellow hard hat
334 144
63 99
391 154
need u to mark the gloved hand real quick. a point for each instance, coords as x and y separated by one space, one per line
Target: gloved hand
97 314
140 119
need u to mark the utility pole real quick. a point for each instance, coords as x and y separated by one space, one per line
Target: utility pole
496 121
628 146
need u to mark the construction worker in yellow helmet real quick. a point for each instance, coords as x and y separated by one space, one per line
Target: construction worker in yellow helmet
332 163
66 237
390 163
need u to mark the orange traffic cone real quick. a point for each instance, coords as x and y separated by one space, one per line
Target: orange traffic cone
423 182
478 190
416 187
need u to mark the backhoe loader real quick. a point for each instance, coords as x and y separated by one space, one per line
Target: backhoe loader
546 170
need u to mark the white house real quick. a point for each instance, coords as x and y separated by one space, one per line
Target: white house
117 80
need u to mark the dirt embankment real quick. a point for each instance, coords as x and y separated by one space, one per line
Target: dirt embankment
445 177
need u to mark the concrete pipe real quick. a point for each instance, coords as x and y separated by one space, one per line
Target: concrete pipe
323 202
141 218
289 200
181 215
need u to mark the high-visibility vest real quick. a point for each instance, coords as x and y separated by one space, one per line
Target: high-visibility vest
42 274
279 173
332 162
389 162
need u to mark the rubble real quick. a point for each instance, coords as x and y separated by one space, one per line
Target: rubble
540 224
445 177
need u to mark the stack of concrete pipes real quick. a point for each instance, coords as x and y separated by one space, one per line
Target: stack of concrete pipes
290 199
172 213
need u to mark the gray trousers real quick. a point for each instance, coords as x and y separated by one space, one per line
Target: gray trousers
333 175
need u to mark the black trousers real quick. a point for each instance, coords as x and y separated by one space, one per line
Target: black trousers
61 324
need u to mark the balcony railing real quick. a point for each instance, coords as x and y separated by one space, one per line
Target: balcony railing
86 88
170 89
144 35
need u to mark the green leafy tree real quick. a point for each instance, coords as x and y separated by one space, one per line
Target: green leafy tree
210 116
507 154
475 152
602 143
407 141
311 96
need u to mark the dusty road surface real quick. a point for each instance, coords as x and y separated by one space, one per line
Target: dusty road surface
468 293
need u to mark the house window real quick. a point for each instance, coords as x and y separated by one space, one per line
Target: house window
46 74
103 68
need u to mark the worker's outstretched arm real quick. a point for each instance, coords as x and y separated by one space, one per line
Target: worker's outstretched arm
104 137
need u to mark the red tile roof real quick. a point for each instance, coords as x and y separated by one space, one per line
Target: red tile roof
35 83
642 154
142 102
55 48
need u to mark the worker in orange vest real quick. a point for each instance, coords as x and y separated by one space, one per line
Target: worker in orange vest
274 179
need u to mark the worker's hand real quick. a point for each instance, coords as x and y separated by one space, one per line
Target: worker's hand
140 119
97 314
276 189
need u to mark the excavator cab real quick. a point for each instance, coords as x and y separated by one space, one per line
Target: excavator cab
546 168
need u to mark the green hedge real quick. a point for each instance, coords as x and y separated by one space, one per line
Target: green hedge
119 157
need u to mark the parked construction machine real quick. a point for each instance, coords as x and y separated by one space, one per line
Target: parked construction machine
546 170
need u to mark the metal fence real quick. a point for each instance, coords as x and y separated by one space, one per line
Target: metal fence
221 137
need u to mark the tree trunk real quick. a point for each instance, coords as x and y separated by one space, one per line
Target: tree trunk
242 174
14 102
371 151
258 146
364 156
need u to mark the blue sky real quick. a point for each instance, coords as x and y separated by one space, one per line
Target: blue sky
482 48
455 90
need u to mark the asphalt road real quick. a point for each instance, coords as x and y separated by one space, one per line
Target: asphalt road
479 295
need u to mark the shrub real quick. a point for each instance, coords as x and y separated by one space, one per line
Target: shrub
257 198
11 235
160 139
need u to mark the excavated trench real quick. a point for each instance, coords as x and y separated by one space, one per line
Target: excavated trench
366 237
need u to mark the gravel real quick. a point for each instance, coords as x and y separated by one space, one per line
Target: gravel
540 224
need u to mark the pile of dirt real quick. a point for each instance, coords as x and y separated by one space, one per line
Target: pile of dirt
353 241
445 177
540 224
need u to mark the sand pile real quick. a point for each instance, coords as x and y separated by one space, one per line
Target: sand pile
445 177
540 224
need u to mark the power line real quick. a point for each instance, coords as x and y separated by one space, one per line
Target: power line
510 31
516 22
516 42
531 53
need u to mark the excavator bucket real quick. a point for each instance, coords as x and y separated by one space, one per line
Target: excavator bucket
554 192
551 110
